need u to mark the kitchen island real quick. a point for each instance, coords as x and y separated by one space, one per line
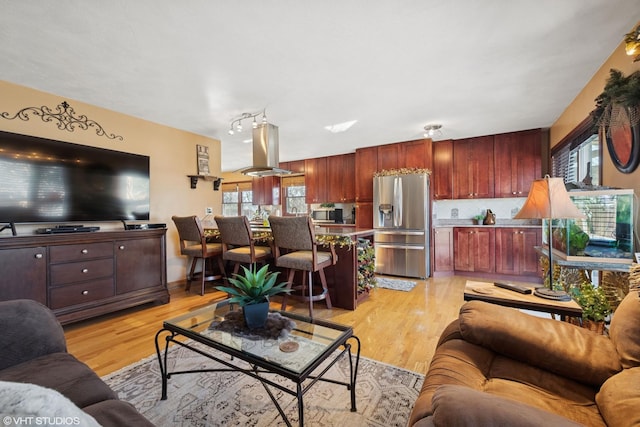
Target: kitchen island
350 279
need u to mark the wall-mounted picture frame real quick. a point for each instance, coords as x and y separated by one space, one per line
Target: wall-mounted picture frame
203 159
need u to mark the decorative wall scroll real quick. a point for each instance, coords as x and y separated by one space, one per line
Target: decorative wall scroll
203 159
64 118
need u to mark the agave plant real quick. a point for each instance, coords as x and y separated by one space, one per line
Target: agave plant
254 286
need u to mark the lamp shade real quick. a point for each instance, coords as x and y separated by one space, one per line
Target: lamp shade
548 198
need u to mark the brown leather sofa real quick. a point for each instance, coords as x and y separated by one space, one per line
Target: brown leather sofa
34 352
498 366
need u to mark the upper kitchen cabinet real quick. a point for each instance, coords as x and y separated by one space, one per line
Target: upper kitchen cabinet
341 178
442 182
388 156
366 166
296 166
473 175
315 180
415 154
518 158
265 190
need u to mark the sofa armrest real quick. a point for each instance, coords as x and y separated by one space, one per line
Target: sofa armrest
455 405
29 330
558 347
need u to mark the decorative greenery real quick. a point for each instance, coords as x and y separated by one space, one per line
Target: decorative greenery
618 89
366 265
578 239
401 171
254 287
593 300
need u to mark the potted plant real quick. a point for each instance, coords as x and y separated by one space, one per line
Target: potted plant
594 303
477 219
251 291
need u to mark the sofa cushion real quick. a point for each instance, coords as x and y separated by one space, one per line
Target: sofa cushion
554 346
619 399
64 373
461 406
22 400
624 330
117 413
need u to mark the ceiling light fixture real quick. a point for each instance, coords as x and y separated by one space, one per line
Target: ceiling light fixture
632 43
340 127
432 130
237 122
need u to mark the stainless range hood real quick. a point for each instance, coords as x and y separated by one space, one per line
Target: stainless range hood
265 152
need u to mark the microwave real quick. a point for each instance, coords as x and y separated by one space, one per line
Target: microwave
327 215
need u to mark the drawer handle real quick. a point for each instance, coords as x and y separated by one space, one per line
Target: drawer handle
121 247
38 256
85 270
85 251
85 292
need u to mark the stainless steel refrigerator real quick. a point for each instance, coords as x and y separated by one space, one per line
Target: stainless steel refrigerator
401 224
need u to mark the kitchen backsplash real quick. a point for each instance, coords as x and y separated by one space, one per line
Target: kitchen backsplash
504 208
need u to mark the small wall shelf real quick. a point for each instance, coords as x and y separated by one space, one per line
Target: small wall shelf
216 181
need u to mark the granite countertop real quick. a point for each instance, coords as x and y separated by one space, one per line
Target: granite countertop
500 222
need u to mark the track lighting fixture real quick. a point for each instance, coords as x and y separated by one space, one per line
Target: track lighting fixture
237 122
432 130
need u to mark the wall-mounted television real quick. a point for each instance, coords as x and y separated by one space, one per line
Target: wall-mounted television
43 180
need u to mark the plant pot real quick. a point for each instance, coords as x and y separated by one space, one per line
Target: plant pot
255 315
592 325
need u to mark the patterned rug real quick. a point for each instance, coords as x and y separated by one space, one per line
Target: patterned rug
395 284
384 395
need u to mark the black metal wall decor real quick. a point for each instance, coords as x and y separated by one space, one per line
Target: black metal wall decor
65 118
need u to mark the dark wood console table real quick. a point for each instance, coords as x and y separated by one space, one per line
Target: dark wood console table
83 275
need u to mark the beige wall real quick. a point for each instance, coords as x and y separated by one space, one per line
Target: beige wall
580 108
172 157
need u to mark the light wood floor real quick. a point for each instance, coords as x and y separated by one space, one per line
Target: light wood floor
395 327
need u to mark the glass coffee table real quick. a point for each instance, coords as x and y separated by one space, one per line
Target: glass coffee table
298 354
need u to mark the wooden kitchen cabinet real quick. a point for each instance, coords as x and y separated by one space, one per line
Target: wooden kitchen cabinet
442 251
416 154
296 166
518 159
473 174
341 178
388 156
364 215
515 253
474 249
442 181
265 190
366 166
315 180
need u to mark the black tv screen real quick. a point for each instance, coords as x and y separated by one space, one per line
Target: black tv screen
43 180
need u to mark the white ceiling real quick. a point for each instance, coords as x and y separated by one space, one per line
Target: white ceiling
475 66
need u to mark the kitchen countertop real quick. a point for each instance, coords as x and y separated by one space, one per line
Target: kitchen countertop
352 232
500 223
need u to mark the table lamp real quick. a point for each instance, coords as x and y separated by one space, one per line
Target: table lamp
548 199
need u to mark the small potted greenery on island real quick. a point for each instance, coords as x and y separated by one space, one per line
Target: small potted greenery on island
251 291
477 219
594 303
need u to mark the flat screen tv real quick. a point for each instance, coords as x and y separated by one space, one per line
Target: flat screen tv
43 180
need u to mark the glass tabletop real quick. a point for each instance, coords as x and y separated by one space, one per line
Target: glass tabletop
302 345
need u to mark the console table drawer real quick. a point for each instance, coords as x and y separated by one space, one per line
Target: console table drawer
80 293
65 253
81 271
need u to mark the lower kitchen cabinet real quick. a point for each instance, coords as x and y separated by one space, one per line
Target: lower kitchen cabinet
443 251
515 253
83 275
474 249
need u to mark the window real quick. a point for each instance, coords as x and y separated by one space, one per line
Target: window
577 157
294 195
237 199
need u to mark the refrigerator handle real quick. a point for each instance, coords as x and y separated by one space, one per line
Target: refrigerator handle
397 201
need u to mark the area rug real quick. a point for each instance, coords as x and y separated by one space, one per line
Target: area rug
395 284
384 395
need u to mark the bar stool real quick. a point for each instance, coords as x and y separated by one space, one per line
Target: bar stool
238 244
295 248
193 244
